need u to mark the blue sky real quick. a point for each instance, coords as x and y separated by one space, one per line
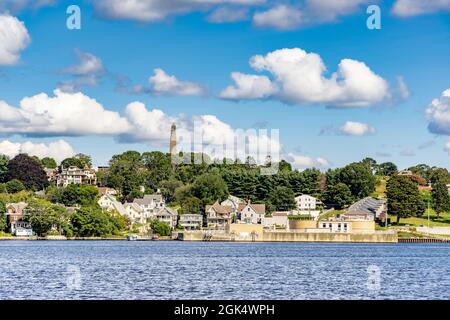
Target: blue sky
187 46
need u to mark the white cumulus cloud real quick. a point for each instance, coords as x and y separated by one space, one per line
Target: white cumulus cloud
353 128
281 17
248 86
14 38
438 114
58 150
410 8
299 77
302 162
162 83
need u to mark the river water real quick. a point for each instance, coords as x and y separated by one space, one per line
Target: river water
212 270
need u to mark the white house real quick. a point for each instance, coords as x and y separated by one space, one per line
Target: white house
232 202
191 221
167 215
135 212
110 203
75 175
251 213
306 202
151 204
218 216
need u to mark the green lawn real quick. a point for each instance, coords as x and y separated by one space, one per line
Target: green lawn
435 221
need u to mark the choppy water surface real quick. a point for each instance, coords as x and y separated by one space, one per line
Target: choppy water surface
183 270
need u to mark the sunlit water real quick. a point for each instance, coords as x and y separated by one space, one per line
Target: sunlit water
205 270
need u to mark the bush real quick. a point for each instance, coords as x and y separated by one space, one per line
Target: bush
14 186
160 228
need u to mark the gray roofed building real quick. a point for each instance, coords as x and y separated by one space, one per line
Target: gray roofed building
367 208
168 216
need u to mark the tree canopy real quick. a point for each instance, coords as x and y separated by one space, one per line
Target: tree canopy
404 198
28 171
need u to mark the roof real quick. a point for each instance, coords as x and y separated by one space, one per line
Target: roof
366 206
257 207
105 190
133 205
18 206
219 208
304 196
148 199
166 211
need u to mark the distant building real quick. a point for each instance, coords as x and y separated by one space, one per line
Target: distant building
151 204
278 220
368 208
135 213
168 216
405 173
251 212
191 221
15 219
107 191
51 174
110 203
307 202
232 202
75 175
218 216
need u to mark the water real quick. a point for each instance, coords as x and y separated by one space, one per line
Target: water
183 270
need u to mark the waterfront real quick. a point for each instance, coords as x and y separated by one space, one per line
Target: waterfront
180 270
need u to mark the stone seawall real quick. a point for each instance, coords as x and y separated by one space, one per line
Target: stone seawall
286 236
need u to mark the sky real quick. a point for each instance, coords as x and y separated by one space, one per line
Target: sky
336 90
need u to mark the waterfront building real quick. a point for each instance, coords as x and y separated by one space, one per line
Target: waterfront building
135 213
15 219
233 202
218 216
168 216
368 209
251 212
307 202
278 220
150 204
109 203
191 221
75 175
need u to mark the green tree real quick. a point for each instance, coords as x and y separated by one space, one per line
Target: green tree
14 186
404 199
159 166
160 228
76 194
441 198
387 169
338 195
28 171
358 178
3 168
168 188
2 216
283 199
91 222
210 187
191 205
45 216
49 163
371 164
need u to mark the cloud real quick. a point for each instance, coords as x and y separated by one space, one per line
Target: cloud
403 89
352 128
303 162
64 114
407 153
14 38
19 5
280 17
298 75
248 86
383 154
162 83
87 72
426 144
438 114
158 10
447 146
58 150
410 8
228 14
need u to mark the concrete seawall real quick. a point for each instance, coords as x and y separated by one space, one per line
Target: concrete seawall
286 236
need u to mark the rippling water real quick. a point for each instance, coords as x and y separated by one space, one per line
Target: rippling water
183 270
